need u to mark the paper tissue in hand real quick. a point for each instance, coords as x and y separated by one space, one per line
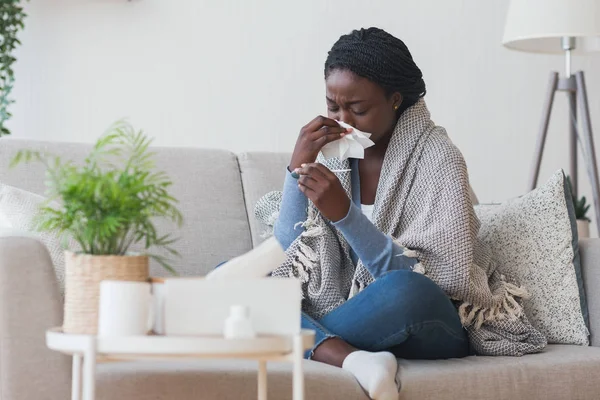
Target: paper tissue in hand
352 145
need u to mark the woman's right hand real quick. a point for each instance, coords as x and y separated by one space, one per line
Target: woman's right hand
313 136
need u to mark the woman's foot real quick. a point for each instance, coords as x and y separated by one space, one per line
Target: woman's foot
375 372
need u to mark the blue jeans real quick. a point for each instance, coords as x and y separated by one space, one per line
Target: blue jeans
402 312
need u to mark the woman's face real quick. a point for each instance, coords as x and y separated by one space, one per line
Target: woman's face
361 103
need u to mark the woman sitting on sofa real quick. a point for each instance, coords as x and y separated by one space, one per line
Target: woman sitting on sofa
382 244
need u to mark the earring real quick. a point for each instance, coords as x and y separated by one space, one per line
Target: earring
396 108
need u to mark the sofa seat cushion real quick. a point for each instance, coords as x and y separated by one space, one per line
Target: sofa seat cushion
219 379
559 372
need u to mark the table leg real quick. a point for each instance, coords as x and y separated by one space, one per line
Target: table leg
76 377
89 370
298 377
262 380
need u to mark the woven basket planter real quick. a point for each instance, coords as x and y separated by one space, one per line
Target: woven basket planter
83 274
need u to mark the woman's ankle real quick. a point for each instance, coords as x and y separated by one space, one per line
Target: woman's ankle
333 351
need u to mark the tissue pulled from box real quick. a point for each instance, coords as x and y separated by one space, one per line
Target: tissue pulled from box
257 263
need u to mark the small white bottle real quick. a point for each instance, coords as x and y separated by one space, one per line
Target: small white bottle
238 325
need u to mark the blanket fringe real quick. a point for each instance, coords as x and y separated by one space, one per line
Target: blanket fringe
356 288
270 222
419 268
410 253
508 308
306 256
516 290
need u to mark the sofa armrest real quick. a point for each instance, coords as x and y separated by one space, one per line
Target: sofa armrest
589 250
30 303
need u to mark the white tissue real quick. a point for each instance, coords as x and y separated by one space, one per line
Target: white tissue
352 145
257 263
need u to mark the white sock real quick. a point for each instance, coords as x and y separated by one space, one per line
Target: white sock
375 372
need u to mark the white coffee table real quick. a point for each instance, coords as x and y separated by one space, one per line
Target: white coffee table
87 350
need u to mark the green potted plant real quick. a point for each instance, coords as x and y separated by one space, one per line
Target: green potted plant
105 206
11 23
581 210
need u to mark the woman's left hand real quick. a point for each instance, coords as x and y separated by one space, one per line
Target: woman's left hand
324 189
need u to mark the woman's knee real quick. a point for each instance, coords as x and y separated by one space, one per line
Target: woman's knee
407 287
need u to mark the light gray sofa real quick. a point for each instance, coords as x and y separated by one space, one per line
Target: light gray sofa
217 192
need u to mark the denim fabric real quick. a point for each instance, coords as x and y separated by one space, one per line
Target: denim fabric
402 312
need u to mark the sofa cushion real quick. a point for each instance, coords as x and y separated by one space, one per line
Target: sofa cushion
590 263
262 172
219 379
559 372
17 210
531 239
206 183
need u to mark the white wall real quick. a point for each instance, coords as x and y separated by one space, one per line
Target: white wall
246 75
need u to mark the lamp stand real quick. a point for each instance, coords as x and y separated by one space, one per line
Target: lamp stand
574 86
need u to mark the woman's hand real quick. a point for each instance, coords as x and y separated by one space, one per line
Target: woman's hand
324 189
316 134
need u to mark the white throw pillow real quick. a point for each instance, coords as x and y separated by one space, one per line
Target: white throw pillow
533 239
17 209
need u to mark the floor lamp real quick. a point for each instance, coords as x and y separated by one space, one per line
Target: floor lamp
567 27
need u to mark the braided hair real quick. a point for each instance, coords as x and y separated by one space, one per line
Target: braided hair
383 59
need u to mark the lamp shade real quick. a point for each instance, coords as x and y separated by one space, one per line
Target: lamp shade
539 25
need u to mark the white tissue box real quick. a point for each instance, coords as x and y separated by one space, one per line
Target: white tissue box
198 307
